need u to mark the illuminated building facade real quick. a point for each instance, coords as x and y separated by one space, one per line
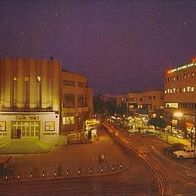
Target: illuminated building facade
77 101
29 99
33 96
180 90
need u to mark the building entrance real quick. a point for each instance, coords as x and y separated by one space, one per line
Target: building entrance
25 129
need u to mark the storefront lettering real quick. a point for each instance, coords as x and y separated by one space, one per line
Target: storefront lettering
23 117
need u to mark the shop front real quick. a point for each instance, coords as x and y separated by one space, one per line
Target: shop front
38 125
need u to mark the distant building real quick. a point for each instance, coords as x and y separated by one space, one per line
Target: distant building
180 90
36 99
152 100
148 100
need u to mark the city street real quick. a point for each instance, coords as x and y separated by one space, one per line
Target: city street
177 176
123 173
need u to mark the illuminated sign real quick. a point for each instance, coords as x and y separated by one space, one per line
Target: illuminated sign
49 125
171 105
194 60
183 66
29 118
91 122
2 125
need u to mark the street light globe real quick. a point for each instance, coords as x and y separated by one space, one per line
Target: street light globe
178 114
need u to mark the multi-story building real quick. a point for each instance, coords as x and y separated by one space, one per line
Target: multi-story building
77 101
29 99
152 100
180 90
36 99
148 100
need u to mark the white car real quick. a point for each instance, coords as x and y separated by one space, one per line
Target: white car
186 153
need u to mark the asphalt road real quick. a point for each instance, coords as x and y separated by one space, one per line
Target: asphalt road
177 178
136 180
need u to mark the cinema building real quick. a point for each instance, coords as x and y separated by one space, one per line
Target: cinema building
32 99
180 91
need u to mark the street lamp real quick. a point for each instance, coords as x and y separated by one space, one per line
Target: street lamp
178 114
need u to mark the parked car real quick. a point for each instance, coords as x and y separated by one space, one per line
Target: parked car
174 147
186 153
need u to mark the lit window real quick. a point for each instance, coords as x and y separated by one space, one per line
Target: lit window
15 78
174 78
38 78
26 78
184 90
188 88
192 89
174 90
165 91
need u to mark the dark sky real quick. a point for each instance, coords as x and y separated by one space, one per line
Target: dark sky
120 45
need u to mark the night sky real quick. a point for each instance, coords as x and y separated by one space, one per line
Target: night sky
119 45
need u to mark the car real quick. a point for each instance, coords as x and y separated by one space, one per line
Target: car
180 136
184 154
176 146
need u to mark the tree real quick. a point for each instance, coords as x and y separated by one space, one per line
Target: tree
122 109
157 122
99 105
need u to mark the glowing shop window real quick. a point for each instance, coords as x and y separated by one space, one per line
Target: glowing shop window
49 125
2 126
68 120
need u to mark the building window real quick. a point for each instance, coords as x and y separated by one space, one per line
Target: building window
26 91
69 120
154 97
39 78
39 92
69 83
81 84
69 101
188 88
81 101
14 92
184 90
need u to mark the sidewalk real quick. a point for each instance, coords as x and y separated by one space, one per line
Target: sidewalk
69 161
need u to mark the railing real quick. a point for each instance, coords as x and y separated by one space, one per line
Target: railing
62 172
